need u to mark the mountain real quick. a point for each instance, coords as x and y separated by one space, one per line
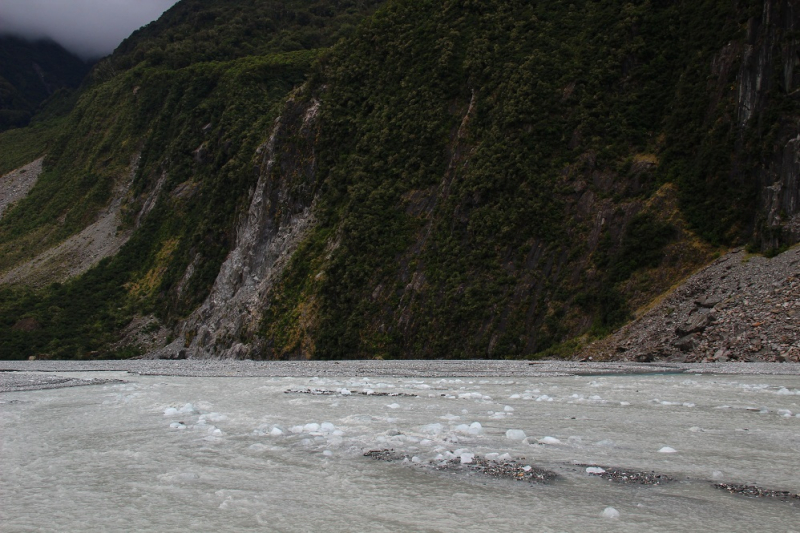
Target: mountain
414 179
32 72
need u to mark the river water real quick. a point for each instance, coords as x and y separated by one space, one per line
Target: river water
243 454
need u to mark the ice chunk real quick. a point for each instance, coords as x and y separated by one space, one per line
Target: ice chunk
432 429
595 470
467 458
187 409
461 428
610 512
785 413
492 456
696 429
311 427
515 434
276 432
416 460
475 428
327 453
327 427
508 409
344 392
170 411
514 397
504 457
624 404
716 474
667 449
527 468
177 425
549 440
393 406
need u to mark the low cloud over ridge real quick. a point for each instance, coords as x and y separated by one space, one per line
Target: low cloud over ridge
88 28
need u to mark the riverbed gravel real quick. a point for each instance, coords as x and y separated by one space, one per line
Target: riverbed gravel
9 370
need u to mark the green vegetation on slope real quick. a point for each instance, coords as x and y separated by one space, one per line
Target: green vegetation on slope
192 133
457 231
492 181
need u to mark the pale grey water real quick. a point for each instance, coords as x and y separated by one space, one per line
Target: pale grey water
105 458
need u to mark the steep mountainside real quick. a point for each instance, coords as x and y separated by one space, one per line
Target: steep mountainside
438 180
32 72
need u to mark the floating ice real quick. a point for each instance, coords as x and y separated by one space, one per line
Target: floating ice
475 428
171 411
177 425
549 440
610 512
311 427
514 397
492 456
544 398
696 429
276 432
467 458
504 457
393 406
416 460
786 392
527 468
595 470
187 409
785 413
432 429
667 449
508 409
515 434
327 453
624 404
345 392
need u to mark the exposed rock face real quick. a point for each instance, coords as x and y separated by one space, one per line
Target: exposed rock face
82 251
738 308
279 215
15 185
769 71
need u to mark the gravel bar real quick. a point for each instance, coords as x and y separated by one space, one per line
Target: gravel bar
399 369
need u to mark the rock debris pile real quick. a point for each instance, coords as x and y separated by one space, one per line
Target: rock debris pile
739 308
757 492
628 476
505 468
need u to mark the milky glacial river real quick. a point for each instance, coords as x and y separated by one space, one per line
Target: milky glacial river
241 454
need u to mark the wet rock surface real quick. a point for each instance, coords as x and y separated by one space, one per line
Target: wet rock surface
628 476
739 308
474 464
344 392
754 491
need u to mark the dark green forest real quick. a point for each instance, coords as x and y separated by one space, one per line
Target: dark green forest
504 180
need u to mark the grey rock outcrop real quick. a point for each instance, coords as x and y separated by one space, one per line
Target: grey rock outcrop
279 216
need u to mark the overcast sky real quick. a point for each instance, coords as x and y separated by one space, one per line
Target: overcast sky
89 28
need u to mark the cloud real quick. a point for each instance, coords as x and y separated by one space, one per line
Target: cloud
88 28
